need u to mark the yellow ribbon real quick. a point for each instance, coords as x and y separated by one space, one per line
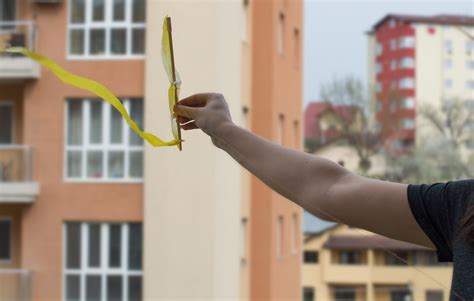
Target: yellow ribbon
95 88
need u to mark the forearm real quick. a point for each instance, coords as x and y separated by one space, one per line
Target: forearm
302 178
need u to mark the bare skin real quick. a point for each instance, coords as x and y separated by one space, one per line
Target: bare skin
320 186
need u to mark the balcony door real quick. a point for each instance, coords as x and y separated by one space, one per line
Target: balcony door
6 123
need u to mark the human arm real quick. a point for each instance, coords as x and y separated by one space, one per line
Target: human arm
320 186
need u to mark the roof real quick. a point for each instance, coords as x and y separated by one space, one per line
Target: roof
462 20
376 242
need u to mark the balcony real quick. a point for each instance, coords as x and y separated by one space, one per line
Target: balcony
15 285
16 171
15 67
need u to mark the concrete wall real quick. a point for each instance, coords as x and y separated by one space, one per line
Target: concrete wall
192 198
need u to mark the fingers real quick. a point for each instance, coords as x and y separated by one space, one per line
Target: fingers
182 119
189 126
197 100
187 112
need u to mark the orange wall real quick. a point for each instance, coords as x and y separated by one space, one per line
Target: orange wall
276 89
43 128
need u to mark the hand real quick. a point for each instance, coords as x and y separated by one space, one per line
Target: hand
207 111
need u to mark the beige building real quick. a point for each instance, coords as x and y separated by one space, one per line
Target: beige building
343 263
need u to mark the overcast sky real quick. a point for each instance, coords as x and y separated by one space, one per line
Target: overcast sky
335 40
336 44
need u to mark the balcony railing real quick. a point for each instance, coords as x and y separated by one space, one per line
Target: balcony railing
15 285
16 174
20 33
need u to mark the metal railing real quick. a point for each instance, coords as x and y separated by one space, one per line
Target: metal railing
15 285
21 33
16 163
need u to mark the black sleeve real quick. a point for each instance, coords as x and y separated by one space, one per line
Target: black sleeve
438 209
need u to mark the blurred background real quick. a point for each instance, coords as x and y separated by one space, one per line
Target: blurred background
89 212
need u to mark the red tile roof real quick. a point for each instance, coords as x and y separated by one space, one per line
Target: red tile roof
462 20
376 242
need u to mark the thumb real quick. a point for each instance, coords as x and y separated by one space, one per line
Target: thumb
188 112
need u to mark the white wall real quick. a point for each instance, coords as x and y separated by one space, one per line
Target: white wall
192 198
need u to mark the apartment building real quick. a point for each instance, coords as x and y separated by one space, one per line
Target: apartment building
211 230
418 61
79 191
343 263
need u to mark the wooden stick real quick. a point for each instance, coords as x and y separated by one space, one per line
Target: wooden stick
173 71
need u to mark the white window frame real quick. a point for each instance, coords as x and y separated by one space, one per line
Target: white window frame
408 103
9 103
10 220
407 42
104 147
407 62
410 125
406 83
294 233
103 271
107 25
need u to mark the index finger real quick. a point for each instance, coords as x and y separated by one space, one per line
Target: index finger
197 100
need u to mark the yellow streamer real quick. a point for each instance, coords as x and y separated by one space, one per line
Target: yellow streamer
104 93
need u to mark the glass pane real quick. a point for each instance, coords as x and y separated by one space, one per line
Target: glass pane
74 136
97 42
7 12
78 11
94 245
119 10
96 122
138 11
114 288
136 112
93 288
6 124
73 285
116 164
98 10
73 245
138 41
119 41
76 41
135 288
115 242
95 164
136 164
115 126
5 240
74 164
135 246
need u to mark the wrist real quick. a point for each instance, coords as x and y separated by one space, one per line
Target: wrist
223 133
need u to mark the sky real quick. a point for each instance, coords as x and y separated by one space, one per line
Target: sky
335 43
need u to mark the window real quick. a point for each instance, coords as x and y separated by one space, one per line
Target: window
434 295
295 233
280 237
406 42
470 144
378 67
469 46
378 87
104 260
7 11
6 123
470 65
392 23
392 260
311 257
448 83
408 103
308 293
378 106
448 64
406 83
281 33
243 240
407 123
106 28
350 257
245 117
448 46
393 65
5 239
297 47
470 105
99 144
470 85
245 20
281 129
407 63
378 48
345 294
400 294
393 44
296 134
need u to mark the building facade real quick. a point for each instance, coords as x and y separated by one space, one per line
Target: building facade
343 263
417 62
